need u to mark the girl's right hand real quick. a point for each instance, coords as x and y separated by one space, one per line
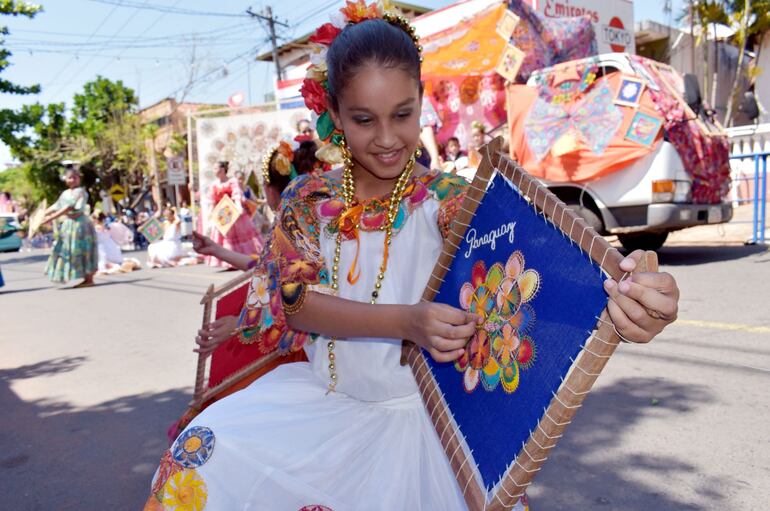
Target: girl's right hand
441 330
203 244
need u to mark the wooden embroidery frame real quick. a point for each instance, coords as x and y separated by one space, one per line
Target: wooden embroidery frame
579 380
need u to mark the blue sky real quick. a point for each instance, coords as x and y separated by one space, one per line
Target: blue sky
150 50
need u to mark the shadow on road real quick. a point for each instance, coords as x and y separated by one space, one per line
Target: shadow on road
26 290
695 255
56 456
25 259
579 475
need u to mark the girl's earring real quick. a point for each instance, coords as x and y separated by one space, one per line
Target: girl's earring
417 152
347 156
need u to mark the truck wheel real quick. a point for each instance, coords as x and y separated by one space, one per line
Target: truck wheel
589 216
642 240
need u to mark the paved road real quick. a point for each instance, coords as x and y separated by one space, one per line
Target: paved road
91 378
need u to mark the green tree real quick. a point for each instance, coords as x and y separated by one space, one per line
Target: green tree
12 122
106 133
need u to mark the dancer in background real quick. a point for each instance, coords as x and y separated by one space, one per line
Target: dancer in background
242 236
111 258
74 254
168 251
279 166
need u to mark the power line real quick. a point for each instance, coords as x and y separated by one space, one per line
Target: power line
83 67
162 8
267 17
225 29
61 70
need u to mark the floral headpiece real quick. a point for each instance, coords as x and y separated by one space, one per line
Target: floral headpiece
316 85
283 158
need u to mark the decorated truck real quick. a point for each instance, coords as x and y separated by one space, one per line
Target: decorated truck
625 141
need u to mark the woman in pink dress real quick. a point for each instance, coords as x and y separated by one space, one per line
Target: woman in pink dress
242 236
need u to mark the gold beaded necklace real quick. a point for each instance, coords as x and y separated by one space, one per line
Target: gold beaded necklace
348 195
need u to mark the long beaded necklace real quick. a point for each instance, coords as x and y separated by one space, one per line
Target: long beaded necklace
348 195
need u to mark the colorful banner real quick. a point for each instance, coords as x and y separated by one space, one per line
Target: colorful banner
241 140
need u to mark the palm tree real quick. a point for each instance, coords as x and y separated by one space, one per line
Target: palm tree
746 26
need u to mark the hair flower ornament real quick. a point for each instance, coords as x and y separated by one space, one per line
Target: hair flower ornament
315 87
284 155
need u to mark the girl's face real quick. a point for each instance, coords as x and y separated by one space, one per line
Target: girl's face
72 179
379 112
169 215
221 172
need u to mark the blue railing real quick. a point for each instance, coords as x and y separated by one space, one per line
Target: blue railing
760 193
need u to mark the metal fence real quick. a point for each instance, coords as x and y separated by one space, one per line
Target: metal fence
759 197
750 147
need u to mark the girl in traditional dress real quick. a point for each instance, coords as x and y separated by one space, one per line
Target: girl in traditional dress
111 258
74 253
168 250
280 164
242 236
350 255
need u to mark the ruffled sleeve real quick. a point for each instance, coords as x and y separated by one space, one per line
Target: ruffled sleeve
292 259
450 191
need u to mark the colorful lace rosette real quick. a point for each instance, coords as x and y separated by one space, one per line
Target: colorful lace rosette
315 87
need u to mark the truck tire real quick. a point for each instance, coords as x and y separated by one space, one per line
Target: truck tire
588 215
642 240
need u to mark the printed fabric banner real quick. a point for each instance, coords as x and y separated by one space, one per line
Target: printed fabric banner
241 140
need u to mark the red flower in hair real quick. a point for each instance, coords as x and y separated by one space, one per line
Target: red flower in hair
325 34
315 95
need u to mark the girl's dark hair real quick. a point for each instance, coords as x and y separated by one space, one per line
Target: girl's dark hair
304 161
372 41
304 157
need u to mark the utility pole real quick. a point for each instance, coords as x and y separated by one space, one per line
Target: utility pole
267 16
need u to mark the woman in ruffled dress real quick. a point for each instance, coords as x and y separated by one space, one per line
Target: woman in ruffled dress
74 253
242 236
349 257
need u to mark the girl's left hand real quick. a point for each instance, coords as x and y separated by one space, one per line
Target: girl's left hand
644 303
215 333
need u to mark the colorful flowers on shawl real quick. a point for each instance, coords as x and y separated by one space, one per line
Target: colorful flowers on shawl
371 214
194 447
501 346
185 491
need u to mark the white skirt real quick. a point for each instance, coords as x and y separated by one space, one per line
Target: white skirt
164 252
283 444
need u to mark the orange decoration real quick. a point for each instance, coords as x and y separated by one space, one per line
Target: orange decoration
358 11
471 47
579 164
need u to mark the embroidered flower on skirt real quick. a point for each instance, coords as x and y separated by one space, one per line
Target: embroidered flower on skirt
185 491
194 447
168 467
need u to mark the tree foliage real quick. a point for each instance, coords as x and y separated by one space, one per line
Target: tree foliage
13 122
14 8
102 131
